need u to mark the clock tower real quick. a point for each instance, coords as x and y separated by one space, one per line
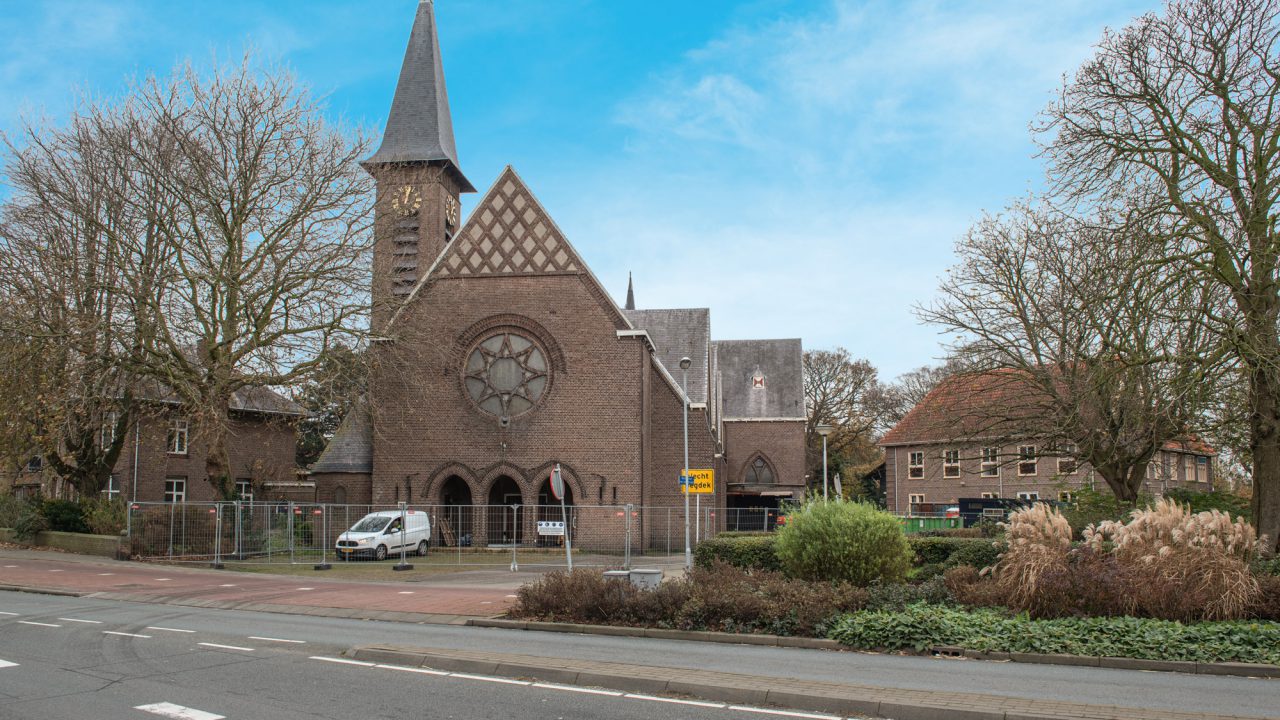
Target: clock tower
416 172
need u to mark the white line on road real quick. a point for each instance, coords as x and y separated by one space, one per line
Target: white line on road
31 622
105 574
271 639
87 622
125 634
55 571
8 613
226 647
6 663
163 579
11 566
511 596
343 661
406 592
165 629
306 588
227 585
420 671
178 712
695 703
570 688
488 678
784 713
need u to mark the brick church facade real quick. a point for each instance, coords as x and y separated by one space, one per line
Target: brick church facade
500 355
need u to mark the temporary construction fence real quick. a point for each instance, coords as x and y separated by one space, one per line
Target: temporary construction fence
481 535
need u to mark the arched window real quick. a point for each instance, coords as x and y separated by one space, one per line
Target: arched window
339 495
758 472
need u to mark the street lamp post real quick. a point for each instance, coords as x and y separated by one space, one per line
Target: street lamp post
824 431
684 473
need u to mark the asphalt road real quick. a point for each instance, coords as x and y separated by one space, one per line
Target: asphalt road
72 663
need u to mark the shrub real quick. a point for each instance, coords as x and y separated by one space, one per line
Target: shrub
843 541
29 520
1266 566
105 517
980 554
1039 538
747 551
897 596
921 626
1091 507
954 551
1266 606
10 509
1229 503
968 587
925 573
64 516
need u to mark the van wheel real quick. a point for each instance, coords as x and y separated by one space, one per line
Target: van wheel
380 553
422 549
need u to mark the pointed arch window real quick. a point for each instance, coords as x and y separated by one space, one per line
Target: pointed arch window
759 472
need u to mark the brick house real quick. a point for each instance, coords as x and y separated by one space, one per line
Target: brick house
164 458
963 440
501 355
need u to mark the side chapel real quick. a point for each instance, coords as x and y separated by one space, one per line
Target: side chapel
500 354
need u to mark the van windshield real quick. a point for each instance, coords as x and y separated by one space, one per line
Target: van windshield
373 523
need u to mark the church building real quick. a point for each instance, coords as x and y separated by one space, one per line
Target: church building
498 355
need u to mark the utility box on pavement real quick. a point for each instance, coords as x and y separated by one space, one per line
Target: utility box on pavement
646 578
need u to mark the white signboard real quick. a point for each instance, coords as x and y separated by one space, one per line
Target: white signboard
551 527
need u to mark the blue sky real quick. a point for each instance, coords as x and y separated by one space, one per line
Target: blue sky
803 168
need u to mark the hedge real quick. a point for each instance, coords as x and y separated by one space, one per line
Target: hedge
750 552
921 626
954 551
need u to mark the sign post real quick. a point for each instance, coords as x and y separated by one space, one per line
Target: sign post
557 489
698 483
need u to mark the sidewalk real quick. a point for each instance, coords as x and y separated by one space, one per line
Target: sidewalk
451 597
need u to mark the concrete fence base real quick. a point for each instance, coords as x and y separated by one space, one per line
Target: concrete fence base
82 543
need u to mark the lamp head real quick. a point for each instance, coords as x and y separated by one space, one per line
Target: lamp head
685 363
824 430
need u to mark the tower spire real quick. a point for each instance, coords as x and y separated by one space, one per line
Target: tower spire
631 294
419 127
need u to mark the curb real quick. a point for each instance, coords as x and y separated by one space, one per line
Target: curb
43 591
1237 669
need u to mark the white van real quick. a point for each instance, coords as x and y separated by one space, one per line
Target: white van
379 534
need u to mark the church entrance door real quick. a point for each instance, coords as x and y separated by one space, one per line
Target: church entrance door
457 518
504 526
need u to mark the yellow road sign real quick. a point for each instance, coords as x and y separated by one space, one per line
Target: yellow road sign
701 482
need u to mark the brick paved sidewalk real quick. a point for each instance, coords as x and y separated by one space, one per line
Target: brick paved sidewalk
811 695
424 600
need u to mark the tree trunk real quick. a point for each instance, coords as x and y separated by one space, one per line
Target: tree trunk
1124 482
1264 424
217 461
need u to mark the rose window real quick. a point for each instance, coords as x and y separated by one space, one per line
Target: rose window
506 374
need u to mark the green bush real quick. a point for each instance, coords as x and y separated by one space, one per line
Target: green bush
897 596
64 516
10 509
979 554
29 519
750 552
951 552
1266 566
1091 507
1229 503
843 541
105 517
920 626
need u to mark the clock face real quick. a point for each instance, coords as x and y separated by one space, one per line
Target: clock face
406 200
451 210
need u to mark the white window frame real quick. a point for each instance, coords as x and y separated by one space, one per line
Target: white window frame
178 437
112 490
951 463
244 496
175 489
914 499
1029 495
990 462
1027 458
990 496
1069 461
1202 469
915 465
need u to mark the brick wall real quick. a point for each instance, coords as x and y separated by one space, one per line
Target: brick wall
780 442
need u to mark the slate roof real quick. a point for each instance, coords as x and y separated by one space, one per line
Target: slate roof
779 366
264 400
419 126
996 403
678 333
351 448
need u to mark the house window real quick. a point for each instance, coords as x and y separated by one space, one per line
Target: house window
1067 460
1202 469
35 464
1027 460
951 463
989 495
112 490
990 462
1066 496
244 490
177 439
915 499
1028 496
915 465
175 489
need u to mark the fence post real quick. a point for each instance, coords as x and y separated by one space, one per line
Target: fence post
171 528
404 528
324 539
217 542
627 564
515 518
290 532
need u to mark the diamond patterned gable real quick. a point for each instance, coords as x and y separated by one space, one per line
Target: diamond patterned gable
509 234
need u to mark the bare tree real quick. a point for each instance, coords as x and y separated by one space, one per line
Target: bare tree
1099 351
267 242
846 394
911 387
1187 102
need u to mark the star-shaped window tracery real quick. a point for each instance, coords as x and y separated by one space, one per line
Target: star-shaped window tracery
506 374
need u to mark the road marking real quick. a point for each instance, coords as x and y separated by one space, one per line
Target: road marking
8 613
570 688
6 663
30 622
695 703
163 579
489 678
343 661
165 629
306 588
11 566
227 585
486 602
55 571
105 574
87 622
270 639
226 647
511 596
406 592
178 712
125 634
784 713
420 671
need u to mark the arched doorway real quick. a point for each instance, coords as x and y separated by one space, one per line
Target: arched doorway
549 509
457 517
504 526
